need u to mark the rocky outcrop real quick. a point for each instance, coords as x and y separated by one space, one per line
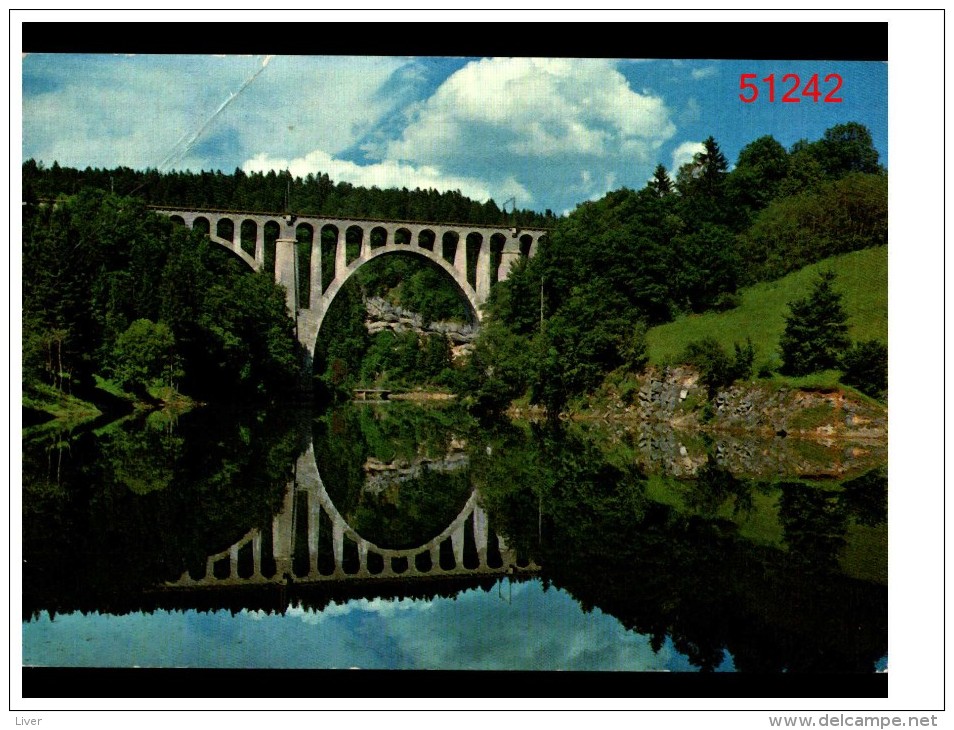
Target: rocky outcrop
759 428
682 453
381 475
383 315
676 396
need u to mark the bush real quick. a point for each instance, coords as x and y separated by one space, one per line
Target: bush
717 368
866 368
635 350
144 353
713 363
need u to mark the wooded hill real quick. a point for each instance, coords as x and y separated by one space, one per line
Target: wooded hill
635 259
273 192
612 268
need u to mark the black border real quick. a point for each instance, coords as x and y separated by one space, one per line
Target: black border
355 684
864 41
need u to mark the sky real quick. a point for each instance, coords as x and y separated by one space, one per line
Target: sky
549 132
520 626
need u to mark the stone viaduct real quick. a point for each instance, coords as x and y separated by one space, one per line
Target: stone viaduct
442 556
358 241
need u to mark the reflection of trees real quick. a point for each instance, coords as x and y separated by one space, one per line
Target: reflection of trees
682 573
815 521
686 573
866 497
715 486
115 529
345 438
143 455
410 514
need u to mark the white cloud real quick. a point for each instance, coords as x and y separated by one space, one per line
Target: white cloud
112 110
388 174
538 121
684 153
543 107
704 73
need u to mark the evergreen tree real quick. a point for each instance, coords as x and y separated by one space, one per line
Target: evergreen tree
816 331
702 185
660 183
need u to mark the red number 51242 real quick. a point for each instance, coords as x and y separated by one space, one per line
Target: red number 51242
790 86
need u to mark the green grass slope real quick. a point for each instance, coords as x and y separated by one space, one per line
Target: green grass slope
862 277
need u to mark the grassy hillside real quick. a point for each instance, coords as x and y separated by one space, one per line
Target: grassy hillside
862 279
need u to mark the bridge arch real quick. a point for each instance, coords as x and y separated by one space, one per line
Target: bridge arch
427 559
329 294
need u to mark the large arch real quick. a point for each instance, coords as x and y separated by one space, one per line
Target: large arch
310 326
392 562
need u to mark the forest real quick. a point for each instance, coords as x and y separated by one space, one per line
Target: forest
112 292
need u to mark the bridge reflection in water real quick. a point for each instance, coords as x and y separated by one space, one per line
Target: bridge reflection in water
445 555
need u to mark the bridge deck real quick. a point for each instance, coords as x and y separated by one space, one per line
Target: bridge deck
318 216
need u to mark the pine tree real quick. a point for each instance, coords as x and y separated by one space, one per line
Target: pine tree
660 183
816 331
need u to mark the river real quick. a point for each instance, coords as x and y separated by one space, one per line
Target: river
398 536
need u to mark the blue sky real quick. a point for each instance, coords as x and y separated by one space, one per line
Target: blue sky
549 132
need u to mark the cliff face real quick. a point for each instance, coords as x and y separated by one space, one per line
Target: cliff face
382 315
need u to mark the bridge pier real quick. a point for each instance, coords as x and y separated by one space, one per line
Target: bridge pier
286 271
259 246
507 259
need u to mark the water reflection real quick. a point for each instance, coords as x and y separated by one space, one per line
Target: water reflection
254 513
297 550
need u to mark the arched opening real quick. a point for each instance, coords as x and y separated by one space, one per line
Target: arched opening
526 243
177 219
329 244
305 236
471 557
449 242
379 237
497 242
225 229
399 565
350 560
358 342
446 560
423 562
474 242
302 561
494 558
326 556
201 224
248 235
426 239
353 238
402 237
246 561
375 563
272 231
